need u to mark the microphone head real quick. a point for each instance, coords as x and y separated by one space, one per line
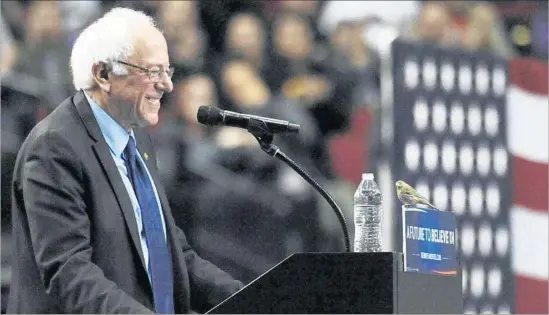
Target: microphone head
293 127
209 115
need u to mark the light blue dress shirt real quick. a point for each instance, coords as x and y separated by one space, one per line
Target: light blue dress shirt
117 139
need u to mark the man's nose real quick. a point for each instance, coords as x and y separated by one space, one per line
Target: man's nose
165 84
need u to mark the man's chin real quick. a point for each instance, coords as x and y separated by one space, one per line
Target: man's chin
150 120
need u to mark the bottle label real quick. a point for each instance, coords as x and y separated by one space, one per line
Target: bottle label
371 196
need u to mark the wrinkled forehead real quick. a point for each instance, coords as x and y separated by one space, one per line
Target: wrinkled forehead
150 48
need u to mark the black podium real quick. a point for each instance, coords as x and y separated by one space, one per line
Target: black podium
340 283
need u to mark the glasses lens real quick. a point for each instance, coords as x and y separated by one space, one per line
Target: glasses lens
155 74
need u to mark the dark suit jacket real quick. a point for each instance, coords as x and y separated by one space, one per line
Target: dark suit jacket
77 247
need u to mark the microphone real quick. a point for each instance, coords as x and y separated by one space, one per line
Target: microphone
213 116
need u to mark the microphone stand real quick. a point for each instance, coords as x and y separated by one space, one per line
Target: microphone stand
265 137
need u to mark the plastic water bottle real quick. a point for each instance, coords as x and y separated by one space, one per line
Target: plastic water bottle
367 215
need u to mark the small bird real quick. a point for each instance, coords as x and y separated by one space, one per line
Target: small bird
409 196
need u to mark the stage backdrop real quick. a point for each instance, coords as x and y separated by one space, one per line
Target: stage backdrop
470 133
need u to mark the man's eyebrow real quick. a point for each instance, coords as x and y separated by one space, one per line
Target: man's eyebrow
149 65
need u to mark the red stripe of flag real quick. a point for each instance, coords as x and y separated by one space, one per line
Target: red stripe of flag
530 184
530 75
531 297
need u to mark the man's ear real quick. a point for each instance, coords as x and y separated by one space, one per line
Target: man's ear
101 75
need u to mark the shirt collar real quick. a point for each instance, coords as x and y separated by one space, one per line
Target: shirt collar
115 136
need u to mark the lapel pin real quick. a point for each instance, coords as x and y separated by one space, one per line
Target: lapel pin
146 156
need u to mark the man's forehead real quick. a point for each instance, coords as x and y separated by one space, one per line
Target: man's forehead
149 37
150 49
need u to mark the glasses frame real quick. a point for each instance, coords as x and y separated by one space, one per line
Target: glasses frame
154 75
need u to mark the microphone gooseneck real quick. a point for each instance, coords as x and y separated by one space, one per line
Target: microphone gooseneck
283 157
258 129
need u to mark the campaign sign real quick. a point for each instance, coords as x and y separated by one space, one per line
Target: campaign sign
429 238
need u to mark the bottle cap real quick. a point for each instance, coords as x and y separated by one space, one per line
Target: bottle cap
368 176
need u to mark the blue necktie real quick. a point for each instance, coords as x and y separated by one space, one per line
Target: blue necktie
160 267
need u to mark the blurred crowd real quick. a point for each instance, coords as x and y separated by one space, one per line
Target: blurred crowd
315 63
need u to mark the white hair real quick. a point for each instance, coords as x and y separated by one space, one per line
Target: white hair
110 38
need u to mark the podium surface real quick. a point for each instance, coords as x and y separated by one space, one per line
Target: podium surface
373 283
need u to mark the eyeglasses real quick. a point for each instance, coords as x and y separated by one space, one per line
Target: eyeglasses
154 73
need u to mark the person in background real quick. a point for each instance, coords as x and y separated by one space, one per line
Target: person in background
188 43
484 31
8 48
194 91
92 228
245 37
242 86
293 46
184 148
355 67
215 16
467 24
176 16
189 51
434 25
45 50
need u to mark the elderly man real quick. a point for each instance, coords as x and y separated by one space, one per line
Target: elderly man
92 226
